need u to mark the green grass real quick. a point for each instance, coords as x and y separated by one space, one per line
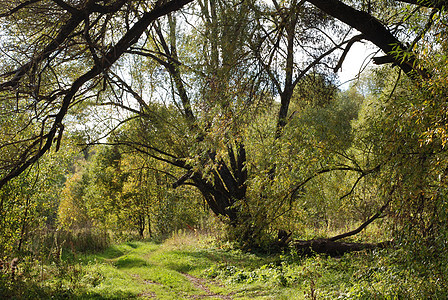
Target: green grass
194 267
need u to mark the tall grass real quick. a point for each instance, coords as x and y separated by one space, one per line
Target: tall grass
135 269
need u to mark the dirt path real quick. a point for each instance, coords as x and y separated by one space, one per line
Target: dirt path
200 284
197 282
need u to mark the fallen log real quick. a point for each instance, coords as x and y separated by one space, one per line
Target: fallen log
333 248
330 246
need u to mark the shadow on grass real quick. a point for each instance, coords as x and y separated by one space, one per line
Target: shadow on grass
117 295
196 260
130 262
32 291
116 251
111 253
134 245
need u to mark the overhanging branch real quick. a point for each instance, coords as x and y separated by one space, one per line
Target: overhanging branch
114 53
366 223
374 31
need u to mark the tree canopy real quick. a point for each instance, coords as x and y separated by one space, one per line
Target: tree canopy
237 99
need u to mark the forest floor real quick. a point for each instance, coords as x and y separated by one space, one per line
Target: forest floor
190 266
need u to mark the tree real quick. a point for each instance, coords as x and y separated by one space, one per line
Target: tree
248 56
78 39
72 212
29 204
206 137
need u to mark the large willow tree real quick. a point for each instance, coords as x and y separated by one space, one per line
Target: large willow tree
216 65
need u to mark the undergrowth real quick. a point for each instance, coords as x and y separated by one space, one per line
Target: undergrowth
189 266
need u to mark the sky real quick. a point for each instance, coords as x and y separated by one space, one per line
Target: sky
357 59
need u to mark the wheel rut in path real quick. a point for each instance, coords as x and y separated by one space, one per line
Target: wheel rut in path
200 283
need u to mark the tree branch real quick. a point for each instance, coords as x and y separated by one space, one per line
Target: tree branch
374 31
439 4
350 43
105 63
366 223
18 7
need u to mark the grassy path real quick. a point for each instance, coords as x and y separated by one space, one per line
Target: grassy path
194 267
186 267
151 271
203 284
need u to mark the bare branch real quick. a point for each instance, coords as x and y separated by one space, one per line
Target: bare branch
374 31
18 7
105 63
350 43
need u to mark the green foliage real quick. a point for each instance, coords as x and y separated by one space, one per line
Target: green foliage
72 212
191 265
413 159
126 193
61 280
316 137
315 90
204 119
29 203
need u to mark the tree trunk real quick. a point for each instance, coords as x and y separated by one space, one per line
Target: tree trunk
228 184
141 225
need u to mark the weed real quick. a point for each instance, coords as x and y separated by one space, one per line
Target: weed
192 266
